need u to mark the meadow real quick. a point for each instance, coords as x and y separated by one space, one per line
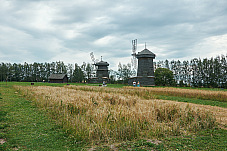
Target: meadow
124 118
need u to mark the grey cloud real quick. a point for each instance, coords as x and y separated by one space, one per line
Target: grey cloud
173 28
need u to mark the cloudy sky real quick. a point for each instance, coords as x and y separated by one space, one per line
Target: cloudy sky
68 30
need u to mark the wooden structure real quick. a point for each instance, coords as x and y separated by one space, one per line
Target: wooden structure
102 73
145 70
58 78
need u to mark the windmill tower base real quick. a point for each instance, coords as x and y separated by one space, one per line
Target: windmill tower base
99 80
144 81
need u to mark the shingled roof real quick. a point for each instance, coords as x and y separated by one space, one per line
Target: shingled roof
102 63
57 76
146 54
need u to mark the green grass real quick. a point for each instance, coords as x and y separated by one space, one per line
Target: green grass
25 127
142 145
195 88
35 84
58 84
203 140
211 140
95 84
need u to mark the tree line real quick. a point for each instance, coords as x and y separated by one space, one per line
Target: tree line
196 72
37 72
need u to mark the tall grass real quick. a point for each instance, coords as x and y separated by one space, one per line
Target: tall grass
150 92
188 93
107 115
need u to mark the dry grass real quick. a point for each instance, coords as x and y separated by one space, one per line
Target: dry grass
148 92
108 115
189 93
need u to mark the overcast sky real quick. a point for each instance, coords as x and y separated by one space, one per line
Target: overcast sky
68 30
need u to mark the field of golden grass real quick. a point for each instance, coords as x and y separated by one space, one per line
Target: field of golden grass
147 93
189 93
97 114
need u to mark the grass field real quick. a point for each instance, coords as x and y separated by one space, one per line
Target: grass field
87 117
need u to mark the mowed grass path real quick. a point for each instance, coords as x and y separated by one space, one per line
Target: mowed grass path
25 127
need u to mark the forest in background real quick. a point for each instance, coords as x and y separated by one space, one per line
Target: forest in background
196 72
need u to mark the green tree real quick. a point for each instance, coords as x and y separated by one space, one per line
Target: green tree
223 73
164 77
124 72
78 74
61 67
113 76
166 64
3 71
87 69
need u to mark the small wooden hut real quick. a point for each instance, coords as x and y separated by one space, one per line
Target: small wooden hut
58 78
